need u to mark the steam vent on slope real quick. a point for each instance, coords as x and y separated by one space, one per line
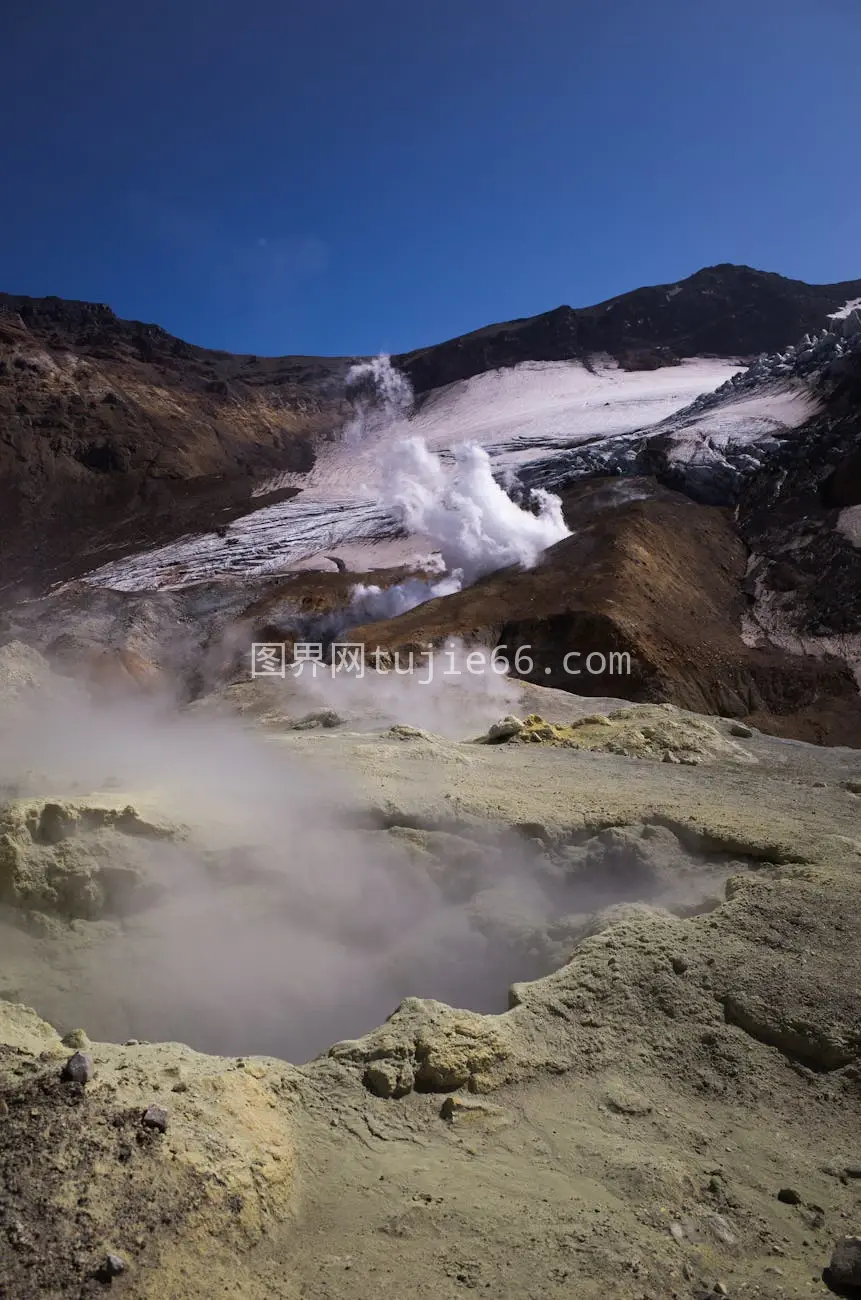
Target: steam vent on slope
515 950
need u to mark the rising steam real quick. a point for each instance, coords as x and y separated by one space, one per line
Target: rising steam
471 521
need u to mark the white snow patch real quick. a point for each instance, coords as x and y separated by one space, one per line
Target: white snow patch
849 524
846 310
517 415
750 419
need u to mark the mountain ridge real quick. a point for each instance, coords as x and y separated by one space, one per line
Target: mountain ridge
85 317
752 311
116 435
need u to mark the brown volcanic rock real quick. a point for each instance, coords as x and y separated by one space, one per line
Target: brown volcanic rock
115 433
660 579
721 310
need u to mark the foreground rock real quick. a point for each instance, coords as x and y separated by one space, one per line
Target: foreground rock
845 1267
623 1129
85 1183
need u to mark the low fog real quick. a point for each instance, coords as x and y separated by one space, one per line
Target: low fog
278 927
290 914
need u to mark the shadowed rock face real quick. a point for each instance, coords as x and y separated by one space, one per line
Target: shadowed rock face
722 311
797 515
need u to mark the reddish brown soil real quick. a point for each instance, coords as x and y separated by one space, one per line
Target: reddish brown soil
661 579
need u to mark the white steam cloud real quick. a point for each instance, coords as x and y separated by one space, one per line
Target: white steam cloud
473 524
381 395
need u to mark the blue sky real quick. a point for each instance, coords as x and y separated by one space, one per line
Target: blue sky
345 178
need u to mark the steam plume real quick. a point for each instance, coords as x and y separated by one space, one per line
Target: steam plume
473 524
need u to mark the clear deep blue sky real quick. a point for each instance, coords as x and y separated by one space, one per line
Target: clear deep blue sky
333 177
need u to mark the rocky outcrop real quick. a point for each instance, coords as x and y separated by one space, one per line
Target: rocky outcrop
660 732
798 516
77 858
429 1047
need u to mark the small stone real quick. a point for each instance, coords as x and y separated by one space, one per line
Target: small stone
111 1266
132 1042
789 1196
20 1238
720 1228
740 730
4 1107
505 729
680 965
75 1038
845 1267
182 1086
625 1100
854 786
155 1117
677 1232
78 1069
853 1170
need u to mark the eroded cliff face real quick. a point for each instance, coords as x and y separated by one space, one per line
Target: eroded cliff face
800 516
114 434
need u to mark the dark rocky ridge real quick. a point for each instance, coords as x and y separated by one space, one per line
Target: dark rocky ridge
722 310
